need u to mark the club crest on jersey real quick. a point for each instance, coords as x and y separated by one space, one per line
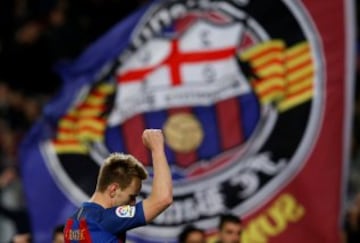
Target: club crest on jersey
222 82
125 211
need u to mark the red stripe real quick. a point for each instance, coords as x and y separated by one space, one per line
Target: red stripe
90 106
99 94
301 79
67 130
66 142
69 117
132 130
229 123
84 229
67 229
183 159
300 66
136 74
207 56
270 63
269 77
98 131
175 59
272 89
173 62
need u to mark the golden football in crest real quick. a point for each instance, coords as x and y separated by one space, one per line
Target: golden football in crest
183 132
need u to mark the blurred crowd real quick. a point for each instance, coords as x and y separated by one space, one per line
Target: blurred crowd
35 35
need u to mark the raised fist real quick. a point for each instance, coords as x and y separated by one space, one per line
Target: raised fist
153 139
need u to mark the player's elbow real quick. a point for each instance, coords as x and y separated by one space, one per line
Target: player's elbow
166 200
154 205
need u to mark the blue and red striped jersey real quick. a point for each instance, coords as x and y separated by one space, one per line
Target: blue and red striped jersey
92 223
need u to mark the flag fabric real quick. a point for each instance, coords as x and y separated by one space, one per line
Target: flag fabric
253 97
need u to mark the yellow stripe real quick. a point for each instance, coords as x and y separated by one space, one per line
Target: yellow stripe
69 124
71 149
94 100
91 123
106 88
270 70
295 101
298 60
299 86
273 96
300 73
82 122
248 54
297 49
269 83
61 136
88 135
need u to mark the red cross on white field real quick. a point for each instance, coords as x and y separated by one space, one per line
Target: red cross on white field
174 60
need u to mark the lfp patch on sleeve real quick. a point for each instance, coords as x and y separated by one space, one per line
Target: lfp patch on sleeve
125 211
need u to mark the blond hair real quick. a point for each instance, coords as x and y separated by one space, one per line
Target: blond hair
119 168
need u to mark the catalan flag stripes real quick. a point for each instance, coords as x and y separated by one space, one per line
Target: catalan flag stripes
284 76
268 63
84 123
299 76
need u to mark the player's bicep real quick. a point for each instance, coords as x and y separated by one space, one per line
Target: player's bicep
123 218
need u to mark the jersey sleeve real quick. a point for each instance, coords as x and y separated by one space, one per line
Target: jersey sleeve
123 218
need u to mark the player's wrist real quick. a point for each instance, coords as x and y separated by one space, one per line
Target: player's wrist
158 152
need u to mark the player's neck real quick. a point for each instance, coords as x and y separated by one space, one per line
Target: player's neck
101 199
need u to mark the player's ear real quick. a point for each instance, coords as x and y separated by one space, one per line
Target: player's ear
112 189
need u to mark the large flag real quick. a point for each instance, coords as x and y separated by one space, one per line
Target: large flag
254 98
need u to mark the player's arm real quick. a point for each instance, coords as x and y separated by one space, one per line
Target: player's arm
161 195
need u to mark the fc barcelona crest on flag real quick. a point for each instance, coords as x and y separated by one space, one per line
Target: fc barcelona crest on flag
239 88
